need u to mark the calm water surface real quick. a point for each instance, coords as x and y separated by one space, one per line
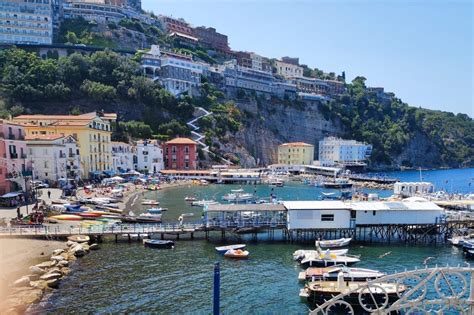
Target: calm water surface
128 278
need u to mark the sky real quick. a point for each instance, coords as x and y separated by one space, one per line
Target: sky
420 50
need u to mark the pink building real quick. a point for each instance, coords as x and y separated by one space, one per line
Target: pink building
13 160
180 154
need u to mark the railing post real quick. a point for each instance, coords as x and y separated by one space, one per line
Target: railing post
217 284
470 301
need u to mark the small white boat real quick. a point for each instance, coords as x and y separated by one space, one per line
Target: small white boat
188 198
203 182
331 273
334 243
224 249
302 253
237 195
202 203
324 260
150 202
237 253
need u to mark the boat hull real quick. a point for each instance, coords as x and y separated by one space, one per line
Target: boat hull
329 262
161 244
224 249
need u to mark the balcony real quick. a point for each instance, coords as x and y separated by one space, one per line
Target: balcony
72 155
11 136
27 173
13 155
62 155
23 156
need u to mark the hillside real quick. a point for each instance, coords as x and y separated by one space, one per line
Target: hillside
245 128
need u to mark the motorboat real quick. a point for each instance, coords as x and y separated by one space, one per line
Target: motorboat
150 202
319 292
224 249
237 195
153 213
164 244
337 183
302 253
459 240
329 196
331 273
203 182
276 182
237 253
202 203
188 198
327 260
467 245
333 243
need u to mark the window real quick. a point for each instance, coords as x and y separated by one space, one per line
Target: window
373 212
327 217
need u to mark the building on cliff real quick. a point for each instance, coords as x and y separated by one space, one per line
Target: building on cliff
295 153
287 70
92 132
337 151
26 22
180 154
210 38
101 11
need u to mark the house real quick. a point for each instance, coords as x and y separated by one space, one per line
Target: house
13 158
149 157
122 156
318 215
181 154
287 70
296 153
92 131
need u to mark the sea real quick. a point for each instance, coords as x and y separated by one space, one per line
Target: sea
126 277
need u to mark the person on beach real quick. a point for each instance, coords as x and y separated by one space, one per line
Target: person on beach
49 194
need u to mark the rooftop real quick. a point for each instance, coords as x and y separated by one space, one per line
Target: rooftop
316 205
296 144
181 141
43 137
246 207
393 205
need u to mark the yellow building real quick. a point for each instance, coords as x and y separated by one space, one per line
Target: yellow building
92 131
295 153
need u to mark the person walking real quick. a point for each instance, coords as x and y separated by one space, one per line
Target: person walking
49 194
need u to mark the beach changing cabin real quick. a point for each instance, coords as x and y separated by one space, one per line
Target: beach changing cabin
378 213
318 215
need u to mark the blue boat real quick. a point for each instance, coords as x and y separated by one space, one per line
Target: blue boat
468 245
74 208
158 244
223 249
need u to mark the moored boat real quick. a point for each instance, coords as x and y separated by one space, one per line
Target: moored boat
238 195
89 215
333 243
78 238
202 203
190 198
67 217
324 260
337 183
302 253
224 249
331 273
237 253
150 202
165 244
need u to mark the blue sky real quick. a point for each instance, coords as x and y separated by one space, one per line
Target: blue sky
421 50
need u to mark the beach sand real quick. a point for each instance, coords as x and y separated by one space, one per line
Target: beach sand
17 255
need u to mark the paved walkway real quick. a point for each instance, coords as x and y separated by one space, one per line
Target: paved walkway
9 213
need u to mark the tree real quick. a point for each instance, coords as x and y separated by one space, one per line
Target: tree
71 38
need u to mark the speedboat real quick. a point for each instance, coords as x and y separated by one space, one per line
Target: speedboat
237 195
333 243
202 203
224 249
150 202
338 183
153 213
302 253
237 253
158 243
327 260
331 273
187 198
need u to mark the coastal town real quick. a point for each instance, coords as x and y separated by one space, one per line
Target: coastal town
174 183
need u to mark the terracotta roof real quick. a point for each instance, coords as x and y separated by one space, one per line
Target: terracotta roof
296 144
87 116
70 123
181 141
43 137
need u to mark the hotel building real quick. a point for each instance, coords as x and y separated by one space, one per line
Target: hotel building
334 150
181 154
295 153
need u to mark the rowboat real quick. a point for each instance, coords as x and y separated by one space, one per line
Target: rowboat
324 260
78 238
158 244
67 217
331 273
237 253
333 243
150 202
302 253
224 249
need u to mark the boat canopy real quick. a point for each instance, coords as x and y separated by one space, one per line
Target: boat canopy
12 194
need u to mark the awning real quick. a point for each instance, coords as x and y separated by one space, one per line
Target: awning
12 194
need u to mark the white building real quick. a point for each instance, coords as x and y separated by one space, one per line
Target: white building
122 156
149 157
288 70
53 157
94 10
410 189
334 151
26 22
318 215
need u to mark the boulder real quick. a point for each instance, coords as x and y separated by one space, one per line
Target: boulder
65 271
36 270
46 264
71 243
86 247
34 277
63 263
78 251
57 258
53 283
40 284
58 252
71 257
94 246
54 270
23 281
65 255
51 276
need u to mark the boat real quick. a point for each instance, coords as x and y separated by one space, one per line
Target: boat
224 249
236 253
202 203
327 260
73 207
331 273
302 253
237 195
187 198
150 202
337 183
467 245
78 238
89 215
153 213
276 182
329 196
459 240
139 219
319 292
470 253
67 217
203 182
333 243
158 244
